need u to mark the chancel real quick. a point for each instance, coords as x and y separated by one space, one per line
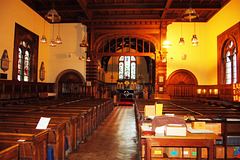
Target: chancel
128 80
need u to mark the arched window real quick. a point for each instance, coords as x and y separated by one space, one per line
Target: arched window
127 67
23 62
25 55
230 61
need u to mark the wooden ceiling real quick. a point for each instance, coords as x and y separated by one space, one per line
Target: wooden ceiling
115 11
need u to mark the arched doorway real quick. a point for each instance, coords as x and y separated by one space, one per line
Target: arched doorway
181 84
69 84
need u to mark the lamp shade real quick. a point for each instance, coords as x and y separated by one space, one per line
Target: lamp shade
190 14
43 39
181 41
166 44
58 40
53 15
88 59
195 40
52 43
84 43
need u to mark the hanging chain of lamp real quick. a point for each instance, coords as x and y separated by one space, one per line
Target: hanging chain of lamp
181 41
194 38
189 15
44 38
53 16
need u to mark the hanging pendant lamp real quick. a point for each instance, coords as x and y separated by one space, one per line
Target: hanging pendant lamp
194 38
44 38
59 40
190 13
181 41
53 43
52 15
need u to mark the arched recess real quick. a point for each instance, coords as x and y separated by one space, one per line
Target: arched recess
68 83
181 84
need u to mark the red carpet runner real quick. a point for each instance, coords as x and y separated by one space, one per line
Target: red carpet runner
125 102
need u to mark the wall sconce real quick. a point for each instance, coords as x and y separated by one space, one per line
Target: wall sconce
163 56
215 91
210 91
199 91
204 91
166 44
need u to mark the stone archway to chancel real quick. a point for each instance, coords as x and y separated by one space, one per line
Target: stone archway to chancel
181 84
68 83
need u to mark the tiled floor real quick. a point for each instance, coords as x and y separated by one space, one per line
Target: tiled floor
114 139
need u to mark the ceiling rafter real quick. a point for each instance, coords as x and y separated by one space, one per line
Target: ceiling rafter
83 4
118 10
168 4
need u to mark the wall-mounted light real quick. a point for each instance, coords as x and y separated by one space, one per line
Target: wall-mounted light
166 44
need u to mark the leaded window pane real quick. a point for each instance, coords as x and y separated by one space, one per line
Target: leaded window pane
121 70
133 70
127 67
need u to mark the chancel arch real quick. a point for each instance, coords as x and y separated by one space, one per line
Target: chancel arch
129 45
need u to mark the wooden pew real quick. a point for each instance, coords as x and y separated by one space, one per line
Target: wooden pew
74 123
56 134
9 151
32 146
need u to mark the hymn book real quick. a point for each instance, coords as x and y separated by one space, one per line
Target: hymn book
176 130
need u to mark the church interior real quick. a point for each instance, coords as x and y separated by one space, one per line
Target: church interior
119 79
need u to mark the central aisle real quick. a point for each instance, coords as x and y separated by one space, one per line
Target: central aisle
114 139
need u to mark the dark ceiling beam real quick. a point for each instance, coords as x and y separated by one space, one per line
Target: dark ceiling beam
116 17
83 4
151 6
30 3
125 6
168 4
63 8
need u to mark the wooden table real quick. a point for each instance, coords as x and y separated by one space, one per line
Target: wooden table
191 140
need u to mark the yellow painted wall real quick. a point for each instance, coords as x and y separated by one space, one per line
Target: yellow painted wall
226 18
201 60
66 55
55 59
196 55
15 11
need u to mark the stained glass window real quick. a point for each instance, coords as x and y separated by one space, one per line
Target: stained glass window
127 67
121 70
230 60
23 62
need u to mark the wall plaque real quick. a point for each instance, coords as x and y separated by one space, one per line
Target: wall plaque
5 61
